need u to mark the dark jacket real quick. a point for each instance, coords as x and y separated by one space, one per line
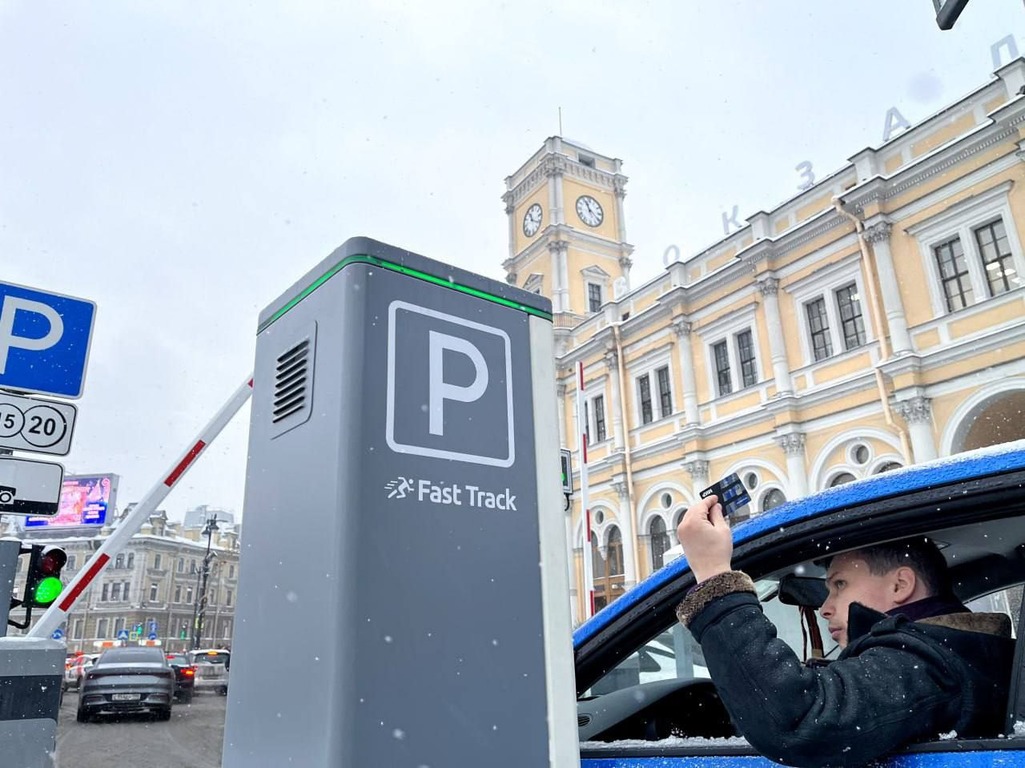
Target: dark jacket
897 681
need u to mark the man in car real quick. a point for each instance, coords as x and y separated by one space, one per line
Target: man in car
915 663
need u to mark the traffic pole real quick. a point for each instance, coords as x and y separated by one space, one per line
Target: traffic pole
585 495
57 613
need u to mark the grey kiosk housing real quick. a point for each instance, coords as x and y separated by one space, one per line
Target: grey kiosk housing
404 590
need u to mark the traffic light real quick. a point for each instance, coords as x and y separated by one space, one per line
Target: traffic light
567 470
43 584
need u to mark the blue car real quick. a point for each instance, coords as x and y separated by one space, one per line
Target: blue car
644 699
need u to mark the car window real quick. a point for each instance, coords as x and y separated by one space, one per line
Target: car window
131 655
674 654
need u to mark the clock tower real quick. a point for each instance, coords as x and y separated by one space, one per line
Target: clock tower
567 237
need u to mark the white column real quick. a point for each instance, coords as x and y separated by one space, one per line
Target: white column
612 368
774 326
619 190
626 523
507 198
698 471
917 412
792 445
564 271
879 236
560 287
690 384
560 392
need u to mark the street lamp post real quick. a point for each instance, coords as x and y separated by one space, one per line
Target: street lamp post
200 610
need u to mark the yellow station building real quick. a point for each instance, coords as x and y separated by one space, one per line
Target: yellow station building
875 320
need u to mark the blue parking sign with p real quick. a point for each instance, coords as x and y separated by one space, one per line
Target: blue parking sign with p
44 341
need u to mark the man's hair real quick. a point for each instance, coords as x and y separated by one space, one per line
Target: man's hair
919 554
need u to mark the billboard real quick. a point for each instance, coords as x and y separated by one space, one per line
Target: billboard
86 500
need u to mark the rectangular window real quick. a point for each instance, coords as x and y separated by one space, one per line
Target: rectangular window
229 596
115 592
188 595
72 559
996 257
153 590
119 624
105 593
76 629
231 571
594 297
722 368
957 286
746 355
644 389
818 324
665 394
851 320
178 594
599 418
101 628
156 561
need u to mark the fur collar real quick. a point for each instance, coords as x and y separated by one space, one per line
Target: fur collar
998 624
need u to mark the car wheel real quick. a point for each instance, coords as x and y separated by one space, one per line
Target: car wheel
83 715
164 714
223 690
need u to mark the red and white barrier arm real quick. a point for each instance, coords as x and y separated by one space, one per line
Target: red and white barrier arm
123 531
585 494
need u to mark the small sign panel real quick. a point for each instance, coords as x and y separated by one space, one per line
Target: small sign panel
29 487
30 424
85 500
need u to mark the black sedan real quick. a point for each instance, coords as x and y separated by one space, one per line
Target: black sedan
127 680
184 676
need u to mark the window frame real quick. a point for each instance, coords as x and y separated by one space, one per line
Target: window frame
824 284
961 221
648 368
591 287
730 338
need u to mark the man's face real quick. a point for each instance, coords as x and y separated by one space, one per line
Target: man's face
849 581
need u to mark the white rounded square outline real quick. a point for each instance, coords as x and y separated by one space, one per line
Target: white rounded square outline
419 450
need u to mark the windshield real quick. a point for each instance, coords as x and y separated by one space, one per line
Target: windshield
778 241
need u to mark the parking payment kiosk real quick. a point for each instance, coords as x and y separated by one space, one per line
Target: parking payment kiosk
403 596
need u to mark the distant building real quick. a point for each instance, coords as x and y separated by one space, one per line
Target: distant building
197 517
152 586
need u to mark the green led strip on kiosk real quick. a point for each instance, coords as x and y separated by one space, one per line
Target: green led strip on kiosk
409 272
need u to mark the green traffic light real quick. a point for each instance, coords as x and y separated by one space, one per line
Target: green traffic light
47 590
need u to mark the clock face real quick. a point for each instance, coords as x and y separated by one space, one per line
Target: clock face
532 220
589 210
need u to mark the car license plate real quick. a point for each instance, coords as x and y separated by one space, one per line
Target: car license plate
124 697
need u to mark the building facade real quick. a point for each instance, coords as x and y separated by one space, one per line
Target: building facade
875 320
152 587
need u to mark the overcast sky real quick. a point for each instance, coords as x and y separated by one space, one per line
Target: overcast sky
182 163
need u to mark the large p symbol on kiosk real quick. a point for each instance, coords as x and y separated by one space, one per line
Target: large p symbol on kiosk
442 390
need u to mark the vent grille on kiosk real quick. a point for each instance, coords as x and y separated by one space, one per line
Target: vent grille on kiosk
293 384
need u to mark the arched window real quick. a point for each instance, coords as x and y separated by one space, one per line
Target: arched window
608 570
772 499
659 542
615 553
597 561
843 477
887 467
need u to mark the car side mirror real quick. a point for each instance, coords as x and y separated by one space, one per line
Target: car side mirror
804 591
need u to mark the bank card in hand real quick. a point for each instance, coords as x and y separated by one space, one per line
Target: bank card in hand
731 492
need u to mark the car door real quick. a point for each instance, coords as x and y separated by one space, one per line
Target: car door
642 700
